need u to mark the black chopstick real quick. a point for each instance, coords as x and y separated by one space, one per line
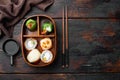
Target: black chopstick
66 26
65 49
63 38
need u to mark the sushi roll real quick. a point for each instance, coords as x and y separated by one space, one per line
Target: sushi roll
30 43
46 43
46 56
47 27
33 56
31 24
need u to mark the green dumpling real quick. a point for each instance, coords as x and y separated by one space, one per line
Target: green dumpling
31 24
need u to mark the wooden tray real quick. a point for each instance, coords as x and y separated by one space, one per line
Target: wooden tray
37 35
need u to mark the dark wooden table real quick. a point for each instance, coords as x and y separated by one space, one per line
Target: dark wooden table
94 39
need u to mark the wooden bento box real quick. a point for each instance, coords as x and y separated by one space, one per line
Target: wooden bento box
38 40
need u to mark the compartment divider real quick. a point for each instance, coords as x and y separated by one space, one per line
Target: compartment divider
39 36
38 25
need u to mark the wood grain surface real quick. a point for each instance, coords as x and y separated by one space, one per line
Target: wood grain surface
83 9
94 39
97 76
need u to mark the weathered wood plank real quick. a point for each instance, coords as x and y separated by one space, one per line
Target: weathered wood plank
83 9
55 10
113 76
94 41
94 8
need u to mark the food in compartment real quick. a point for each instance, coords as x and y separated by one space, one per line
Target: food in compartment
33 56
47 27
46 56
46 43
30 43
38 37
31 24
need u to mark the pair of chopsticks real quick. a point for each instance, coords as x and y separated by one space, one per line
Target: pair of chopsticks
65 51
